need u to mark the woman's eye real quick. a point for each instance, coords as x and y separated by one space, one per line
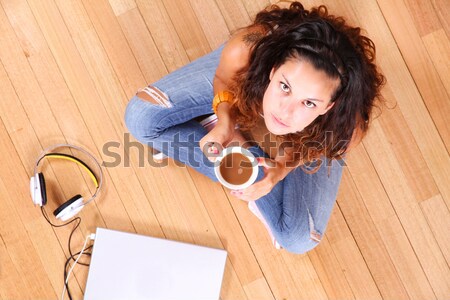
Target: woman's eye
309 104
284 87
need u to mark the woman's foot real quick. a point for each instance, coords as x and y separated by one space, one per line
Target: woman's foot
207 121
159 157
254 209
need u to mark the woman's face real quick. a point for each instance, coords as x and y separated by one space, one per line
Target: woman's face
297 94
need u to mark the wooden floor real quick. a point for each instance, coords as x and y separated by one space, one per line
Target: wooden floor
68 68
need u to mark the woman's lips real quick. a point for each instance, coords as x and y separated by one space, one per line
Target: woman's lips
278 122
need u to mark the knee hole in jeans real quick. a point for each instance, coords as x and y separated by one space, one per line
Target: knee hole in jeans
313 233
155 96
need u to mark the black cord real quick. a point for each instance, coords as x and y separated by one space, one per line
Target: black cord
44 213
71 256
67 263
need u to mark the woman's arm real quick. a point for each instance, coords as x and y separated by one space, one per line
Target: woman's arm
233 58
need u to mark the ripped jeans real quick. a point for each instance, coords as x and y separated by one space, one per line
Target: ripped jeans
297 209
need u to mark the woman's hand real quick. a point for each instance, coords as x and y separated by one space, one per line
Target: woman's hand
213 142
273 173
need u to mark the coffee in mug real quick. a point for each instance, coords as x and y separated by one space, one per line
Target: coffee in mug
236 168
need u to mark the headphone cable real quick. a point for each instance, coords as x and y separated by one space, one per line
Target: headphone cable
66 279
67 263
71 255
44 213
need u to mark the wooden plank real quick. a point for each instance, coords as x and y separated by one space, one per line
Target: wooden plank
424 16
164 34
253 7
212 22
234 13
139 209
44 252
438 45
21 257
47 72
12 283
120 56
20 129
258 289
38 109
122 6
188 28
369 241
408 211
142 45
331 275
442 10
283 281
420 65
349 256
422 126
53 86
192 215
232 236
438 218
231 287
95 58
306 277
381 211
82 89
270 260
40 232
402 253
407 153
95 116
374 195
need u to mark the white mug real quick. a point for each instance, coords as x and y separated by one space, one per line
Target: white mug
254 168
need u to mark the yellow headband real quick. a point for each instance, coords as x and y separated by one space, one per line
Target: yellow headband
74 159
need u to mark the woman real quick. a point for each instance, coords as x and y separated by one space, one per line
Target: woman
296 88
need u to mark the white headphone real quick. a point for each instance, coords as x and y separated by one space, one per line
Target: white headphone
74 205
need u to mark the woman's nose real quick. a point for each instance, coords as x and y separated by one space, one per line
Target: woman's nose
286 108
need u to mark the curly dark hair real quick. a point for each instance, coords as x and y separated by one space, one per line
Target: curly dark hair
330 45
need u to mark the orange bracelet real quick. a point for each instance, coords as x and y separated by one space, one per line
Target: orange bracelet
223 96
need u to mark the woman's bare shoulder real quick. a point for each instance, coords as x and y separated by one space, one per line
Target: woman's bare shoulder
235 56
239 45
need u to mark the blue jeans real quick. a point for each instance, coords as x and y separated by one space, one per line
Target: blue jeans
297 209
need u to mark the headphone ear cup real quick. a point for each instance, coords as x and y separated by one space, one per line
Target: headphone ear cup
37 189
69 208
42 188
